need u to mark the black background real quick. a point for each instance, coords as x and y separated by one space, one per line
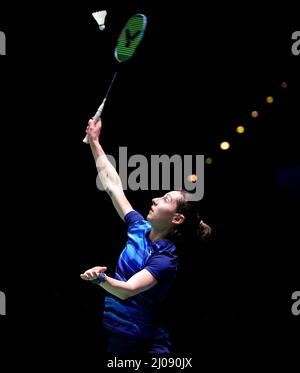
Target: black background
198 73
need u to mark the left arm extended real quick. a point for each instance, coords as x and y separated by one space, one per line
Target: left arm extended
139 282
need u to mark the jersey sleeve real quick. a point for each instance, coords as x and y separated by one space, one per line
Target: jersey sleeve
132 217
162 266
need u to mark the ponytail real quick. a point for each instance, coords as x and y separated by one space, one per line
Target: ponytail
204 230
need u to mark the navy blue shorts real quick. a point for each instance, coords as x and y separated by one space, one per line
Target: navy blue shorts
160 344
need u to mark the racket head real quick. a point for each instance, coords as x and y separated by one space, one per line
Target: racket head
130 37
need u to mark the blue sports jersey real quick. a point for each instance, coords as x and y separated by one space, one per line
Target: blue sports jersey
138 316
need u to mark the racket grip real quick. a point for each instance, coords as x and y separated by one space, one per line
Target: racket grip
99 111
96 118
86 139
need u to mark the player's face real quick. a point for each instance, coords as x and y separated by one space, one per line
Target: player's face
163 208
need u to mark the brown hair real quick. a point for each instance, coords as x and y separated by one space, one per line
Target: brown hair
193 226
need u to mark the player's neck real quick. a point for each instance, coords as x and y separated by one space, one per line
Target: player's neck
156 235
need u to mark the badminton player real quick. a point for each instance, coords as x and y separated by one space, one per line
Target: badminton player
148 264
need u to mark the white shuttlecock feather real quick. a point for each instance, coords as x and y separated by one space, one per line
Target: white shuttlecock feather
100 18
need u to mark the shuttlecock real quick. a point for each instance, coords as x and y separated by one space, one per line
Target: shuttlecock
100 18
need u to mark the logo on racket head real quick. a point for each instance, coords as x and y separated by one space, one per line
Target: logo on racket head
130 37
2 44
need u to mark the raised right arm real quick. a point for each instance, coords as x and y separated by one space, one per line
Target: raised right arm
107 173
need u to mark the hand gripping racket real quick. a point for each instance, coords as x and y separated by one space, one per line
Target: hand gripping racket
128 40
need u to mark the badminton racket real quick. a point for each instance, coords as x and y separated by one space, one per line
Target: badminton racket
127 43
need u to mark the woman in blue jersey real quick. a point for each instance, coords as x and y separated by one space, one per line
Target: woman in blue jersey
147 266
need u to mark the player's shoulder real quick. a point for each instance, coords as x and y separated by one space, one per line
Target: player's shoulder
134 218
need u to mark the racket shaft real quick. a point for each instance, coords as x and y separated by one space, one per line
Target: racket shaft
100 108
